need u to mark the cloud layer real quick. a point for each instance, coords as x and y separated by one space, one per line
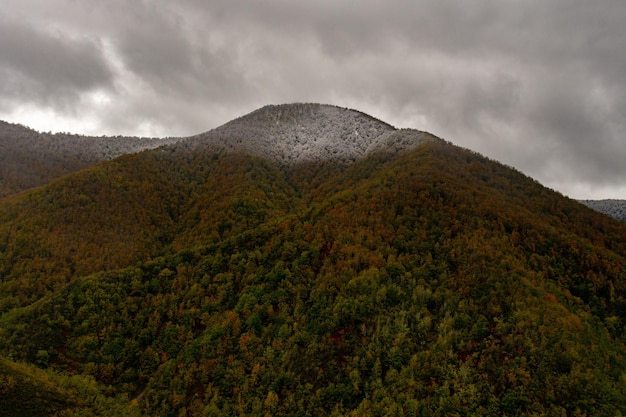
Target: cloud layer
538 85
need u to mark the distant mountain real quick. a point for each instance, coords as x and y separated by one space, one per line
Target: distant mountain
613 208
30 159
309 260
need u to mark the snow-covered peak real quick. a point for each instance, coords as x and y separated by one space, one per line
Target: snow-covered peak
293 133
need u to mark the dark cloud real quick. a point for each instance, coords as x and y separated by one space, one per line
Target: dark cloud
538 85
48 68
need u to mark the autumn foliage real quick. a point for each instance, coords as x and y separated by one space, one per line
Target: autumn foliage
429 282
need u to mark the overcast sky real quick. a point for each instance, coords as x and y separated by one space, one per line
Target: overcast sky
539 85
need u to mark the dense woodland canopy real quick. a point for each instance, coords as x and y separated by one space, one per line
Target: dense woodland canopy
429 282
31 159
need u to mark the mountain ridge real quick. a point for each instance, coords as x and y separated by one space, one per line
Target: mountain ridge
285 134
49 156
31 159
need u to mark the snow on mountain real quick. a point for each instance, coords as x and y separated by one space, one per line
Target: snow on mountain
284 134
293 133
88 148
613 208
29 159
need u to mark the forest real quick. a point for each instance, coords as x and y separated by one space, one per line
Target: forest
431 282
31 159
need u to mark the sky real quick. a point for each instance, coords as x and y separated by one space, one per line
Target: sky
538 85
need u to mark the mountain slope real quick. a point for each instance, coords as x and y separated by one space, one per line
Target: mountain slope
27 391
613 208
105 217
30 159
427 281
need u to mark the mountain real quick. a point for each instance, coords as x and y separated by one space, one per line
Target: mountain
399 275
613 208
30 159
297 133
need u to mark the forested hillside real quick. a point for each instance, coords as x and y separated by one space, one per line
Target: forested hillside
430 281
30 159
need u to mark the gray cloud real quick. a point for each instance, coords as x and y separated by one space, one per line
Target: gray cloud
538 85
48 68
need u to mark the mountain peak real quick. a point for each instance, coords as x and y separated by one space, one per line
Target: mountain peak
293 133
304 113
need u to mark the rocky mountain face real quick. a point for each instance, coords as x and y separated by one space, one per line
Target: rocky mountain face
309 260
610 207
